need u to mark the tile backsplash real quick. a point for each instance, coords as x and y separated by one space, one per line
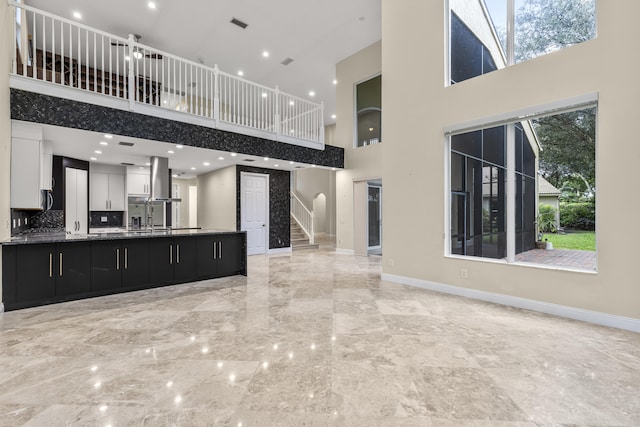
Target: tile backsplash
22 220
106 218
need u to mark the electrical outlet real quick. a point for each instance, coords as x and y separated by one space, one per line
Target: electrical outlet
14 223
103 219
464 274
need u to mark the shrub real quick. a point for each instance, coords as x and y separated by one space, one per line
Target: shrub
547 219
580 216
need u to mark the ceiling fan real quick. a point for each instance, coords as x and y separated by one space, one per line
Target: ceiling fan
138 53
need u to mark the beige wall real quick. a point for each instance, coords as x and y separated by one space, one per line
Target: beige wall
217 199
5 125
183 185
308 183
417 106
363 163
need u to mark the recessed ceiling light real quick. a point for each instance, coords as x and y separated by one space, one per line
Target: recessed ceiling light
151 5
206 163
77 15
240 73
108 136
170 151
266 159
234 154
193 169
165 102
98 152
333 116
335 82
127 58
265 54
291 163
175 175
147 164
293 131
220 158
140 167
276 165
333 169
313 166
93 158
264 94
292 103
312 93
104 143
179 146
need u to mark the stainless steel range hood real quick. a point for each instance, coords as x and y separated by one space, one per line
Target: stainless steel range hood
160 188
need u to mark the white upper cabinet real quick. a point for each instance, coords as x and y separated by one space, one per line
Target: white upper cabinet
138 181
107 188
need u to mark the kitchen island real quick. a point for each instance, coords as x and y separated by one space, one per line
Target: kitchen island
55 267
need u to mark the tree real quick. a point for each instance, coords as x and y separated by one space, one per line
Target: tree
543 26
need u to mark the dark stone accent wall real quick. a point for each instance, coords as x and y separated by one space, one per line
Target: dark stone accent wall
279 204
36 220
114 219
38 108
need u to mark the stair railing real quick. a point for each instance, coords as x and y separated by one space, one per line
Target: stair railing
303 216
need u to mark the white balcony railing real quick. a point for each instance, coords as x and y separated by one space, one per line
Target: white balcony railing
68 54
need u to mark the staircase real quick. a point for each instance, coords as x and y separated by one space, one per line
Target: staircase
299 239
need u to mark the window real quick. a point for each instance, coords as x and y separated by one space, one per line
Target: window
551 162
369 112
480 42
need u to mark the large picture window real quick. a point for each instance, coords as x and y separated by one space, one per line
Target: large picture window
547 215
481 39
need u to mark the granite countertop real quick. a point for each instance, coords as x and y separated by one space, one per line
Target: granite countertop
57 237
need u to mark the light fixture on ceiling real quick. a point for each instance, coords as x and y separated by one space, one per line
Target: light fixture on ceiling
179 146
333 169
264 94
312 93
265 54
370 129
207 164
93 159
171 152
152 5
266 159
147 164
313 166
240 73
108 136
104 143
77 15
220 158
98 152
292 103
137 54
193 168
175 175
276 165
335 81
291 163
333 116
234 154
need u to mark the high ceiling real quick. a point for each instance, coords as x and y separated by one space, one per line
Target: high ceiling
316 34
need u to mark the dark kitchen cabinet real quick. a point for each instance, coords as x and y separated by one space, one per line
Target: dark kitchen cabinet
174 260
221 255
9 272
135 263
73 272
119 263
35 266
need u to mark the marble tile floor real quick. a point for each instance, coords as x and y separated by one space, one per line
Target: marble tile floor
310 339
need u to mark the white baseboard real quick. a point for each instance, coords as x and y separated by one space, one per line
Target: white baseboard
344 251
612 320
280 251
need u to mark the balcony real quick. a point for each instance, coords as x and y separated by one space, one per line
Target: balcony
58 57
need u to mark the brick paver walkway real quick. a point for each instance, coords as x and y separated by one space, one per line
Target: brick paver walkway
561 257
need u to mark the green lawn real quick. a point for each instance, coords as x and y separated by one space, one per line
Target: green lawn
577 240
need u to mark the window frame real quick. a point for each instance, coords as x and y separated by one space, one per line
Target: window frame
355 110
509 120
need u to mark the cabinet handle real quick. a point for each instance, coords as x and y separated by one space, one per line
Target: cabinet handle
106 202
126 258
50 265
220 250
60 264
117 259
177 253
170 254
214 250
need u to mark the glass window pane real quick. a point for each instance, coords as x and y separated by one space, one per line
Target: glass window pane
457 172
498 12
543 26
494 145
528 157
469 143
369 112
519 138
466 52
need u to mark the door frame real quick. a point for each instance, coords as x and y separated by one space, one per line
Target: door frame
267 202
379 187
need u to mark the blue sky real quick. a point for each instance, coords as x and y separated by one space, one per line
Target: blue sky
498 11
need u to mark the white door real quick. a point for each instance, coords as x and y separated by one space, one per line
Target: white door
254 211
82 201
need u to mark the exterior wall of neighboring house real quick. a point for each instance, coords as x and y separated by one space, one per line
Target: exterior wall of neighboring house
418 106
550 196
361 163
